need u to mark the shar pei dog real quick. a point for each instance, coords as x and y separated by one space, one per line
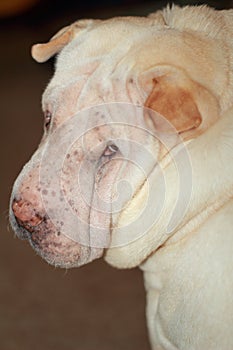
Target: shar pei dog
136 163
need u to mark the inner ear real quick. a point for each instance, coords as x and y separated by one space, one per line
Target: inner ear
175 103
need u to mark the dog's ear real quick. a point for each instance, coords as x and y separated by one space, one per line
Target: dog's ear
42 52
174 103
173 96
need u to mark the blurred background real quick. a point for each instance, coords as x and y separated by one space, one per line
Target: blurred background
93 307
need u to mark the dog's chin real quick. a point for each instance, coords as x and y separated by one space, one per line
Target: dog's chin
54 247
62 255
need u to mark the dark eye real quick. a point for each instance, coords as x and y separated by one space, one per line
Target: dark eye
110 150
47 119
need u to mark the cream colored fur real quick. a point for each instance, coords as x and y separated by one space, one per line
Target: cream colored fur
188 271
189 279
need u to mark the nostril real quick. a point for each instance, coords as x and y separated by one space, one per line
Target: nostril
25 214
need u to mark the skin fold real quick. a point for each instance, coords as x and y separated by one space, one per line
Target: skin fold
135 164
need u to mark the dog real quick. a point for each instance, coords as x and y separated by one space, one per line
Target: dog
135 164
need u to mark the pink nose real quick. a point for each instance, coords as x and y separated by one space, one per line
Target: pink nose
25 214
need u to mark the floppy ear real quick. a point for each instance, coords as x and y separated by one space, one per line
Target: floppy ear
175 103
185 106
42 52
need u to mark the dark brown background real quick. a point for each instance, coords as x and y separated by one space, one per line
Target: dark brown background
96 306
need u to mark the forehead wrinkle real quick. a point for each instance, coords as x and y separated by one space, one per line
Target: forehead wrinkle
70 58
118 56
60 81
80 51
53 91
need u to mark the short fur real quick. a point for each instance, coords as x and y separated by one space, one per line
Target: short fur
178 62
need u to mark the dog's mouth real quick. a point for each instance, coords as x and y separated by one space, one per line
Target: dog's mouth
52 245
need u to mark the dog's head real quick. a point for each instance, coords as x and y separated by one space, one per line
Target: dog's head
127 95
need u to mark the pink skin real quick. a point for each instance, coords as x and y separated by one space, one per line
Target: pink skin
30 220
95 201
99 171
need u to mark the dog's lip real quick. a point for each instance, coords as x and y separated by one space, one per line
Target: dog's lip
29 236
